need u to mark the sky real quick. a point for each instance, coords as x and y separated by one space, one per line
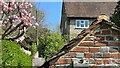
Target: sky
52 11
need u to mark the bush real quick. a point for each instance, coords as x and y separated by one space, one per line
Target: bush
13 56
33 49
50 43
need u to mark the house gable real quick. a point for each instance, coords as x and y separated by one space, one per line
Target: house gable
95 46
101 47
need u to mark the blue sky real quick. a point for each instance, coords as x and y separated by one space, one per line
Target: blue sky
52 12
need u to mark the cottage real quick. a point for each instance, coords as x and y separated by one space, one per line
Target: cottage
77 16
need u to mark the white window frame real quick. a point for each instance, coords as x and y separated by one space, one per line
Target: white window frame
82 23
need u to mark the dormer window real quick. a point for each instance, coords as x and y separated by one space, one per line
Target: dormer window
82 23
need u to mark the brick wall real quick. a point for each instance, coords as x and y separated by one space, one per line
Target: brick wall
103 48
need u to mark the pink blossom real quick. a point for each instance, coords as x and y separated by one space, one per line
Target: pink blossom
14 20
30 14
19 20
36 24
26 15
25 5
2 2
1 12
6 5
24 12
21 5
28 24
33 18
12 6
30 5
14 17
13 1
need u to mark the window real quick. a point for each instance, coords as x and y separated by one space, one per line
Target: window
82 23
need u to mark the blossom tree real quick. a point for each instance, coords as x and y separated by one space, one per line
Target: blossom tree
16 18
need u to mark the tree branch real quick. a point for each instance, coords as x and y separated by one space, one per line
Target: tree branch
8 27
19 35
2 14
12 30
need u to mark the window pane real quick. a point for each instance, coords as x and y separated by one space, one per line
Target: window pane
86 23
82 21
82 25
78 23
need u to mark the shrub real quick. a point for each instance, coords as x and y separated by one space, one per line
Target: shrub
12 55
